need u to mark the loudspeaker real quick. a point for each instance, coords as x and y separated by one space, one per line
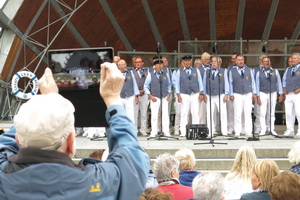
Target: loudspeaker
196 131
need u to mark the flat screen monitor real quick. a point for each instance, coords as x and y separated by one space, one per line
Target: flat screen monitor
77 75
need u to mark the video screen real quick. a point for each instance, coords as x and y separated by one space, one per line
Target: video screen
77 69
77 74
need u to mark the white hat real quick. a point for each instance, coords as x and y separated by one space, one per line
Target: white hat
44 121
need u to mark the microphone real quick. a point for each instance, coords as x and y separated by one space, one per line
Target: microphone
264 47
214 48
158 49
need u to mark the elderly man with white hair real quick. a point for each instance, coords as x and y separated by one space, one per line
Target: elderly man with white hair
209 186
166 171
36 159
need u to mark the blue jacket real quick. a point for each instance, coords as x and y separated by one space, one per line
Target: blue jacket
123 176
186 177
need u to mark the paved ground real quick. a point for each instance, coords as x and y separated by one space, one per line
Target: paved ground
264 143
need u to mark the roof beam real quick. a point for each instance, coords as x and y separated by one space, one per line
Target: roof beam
270 20
296 31
185 28
153 24
240 20
70 25
212 19
115 24
10 25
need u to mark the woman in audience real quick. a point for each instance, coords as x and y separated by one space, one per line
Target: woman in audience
187 165
154 194
238 180
294 158
285 186
166 170
263 172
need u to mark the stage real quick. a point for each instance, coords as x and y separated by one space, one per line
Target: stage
218 158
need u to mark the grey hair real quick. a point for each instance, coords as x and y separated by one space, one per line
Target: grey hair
164 165
208 186
205 55
294 154
296 54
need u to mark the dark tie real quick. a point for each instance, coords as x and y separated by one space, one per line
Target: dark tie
293 71
213 75
242 73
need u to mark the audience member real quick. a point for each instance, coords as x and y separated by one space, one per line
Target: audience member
166 170
154 194
285 186
294 158
209 186
187 165
263 172
42 168
238 180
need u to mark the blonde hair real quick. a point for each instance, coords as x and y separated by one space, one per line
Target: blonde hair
265 171
244 162
294 154
186 158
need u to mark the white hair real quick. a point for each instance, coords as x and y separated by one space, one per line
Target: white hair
208 186
294 154
164 165
205 55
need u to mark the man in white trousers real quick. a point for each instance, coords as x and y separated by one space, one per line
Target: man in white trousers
242 93
268 84
140 75
189 89
291 88
158 88
130 91
216 90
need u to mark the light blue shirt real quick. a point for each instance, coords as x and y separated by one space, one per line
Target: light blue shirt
135 87
240 72
226 84
177 79
147 85
278 84
284 75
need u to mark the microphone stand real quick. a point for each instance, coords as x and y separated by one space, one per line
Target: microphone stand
161 135
211 141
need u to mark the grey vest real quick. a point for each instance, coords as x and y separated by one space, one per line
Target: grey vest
214 84
159 87
202 70
140 81
127 90
292 82
264 82
241 85
189 84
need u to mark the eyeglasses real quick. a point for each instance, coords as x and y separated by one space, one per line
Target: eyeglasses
138 61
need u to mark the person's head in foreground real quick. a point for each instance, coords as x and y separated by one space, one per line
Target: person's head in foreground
285 186
294 154
154 194
208 186
186 158
166 168
244 162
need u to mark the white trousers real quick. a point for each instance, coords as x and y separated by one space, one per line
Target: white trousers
230 116
264 116
215 113
189 102
242 105
141 107
128 104
202 112
177 106
155 108
257 123
292 109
